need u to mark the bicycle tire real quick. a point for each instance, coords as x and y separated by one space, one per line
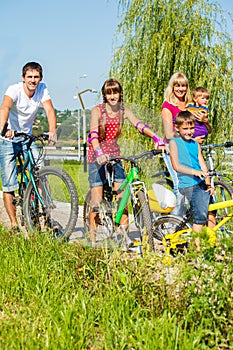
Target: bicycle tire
86 212
167 224
224 192
104 222
60 213
143 217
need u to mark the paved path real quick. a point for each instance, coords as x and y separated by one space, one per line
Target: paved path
78 233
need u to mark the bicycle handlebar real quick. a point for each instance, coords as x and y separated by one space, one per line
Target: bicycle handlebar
148 154
43 135
227 144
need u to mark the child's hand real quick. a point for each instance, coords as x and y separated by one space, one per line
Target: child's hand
200 173
211 190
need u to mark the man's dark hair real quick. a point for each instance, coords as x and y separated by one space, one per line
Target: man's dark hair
30 66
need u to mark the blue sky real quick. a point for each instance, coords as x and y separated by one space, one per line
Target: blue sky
69 38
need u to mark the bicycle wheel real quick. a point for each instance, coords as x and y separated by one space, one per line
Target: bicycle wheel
104 222
224 192
143 218
58 210
169 224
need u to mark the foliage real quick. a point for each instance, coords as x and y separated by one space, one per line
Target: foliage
56 295
158 38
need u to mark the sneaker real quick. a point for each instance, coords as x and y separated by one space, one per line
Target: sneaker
15 231
135 247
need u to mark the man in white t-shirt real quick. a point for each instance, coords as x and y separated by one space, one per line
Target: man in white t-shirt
19 107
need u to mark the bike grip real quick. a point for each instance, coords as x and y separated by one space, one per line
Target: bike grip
4 129
156 151
228 144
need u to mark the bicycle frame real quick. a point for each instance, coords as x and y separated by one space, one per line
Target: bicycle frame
130 185
24 167
171 240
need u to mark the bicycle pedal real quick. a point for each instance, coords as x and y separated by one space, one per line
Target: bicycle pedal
16 201
135 247
95 209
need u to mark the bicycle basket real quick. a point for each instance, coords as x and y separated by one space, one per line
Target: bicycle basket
161 199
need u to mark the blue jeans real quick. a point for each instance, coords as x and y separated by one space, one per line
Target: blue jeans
199 201
97 174
8 152
179 209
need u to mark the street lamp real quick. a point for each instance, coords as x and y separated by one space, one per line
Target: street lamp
85 125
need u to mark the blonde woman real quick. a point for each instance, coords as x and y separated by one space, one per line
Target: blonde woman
176 98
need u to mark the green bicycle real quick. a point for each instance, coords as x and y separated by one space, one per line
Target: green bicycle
47 197
110 211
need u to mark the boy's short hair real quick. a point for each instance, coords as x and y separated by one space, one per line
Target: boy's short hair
199 91
185 117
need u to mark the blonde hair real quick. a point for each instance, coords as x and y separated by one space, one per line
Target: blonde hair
176 78
200 91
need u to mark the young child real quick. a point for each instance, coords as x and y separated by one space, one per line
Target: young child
192 172
199 108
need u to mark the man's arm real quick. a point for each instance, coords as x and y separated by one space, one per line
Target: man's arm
52 120
5 110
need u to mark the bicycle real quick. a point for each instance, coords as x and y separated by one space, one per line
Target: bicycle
110 212
174 232
47 197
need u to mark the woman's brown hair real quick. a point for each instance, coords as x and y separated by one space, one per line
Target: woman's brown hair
112 86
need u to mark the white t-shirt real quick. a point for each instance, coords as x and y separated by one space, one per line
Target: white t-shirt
24 109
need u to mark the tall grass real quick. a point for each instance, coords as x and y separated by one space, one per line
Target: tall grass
56 295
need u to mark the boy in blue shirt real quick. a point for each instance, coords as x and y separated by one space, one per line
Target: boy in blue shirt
192 172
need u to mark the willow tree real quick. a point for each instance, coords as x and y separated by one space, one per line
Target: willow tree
160 37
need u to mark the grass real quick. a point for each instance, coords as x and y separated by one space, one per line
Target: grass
56 295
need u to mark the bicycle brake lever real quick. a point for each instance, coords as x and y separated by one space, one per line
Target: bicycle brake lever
156 151
228 144
4 129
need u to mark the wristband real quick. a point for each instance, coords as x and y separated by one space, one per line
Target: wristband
98 152
138 123
158 140
90 139
144 127
93 132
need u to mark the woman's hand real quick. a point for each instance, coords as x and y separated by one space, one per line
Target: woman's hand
200 139
164 148
102 159
201 116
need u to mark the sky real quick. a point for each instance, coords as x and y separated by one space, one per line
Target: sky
71 39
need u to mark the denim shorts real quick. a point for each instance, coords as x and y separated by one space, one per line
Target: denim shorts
97 174
8 152
199 200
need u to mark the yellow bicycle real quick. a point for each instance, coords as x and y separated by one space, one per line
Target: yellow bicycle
174 232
